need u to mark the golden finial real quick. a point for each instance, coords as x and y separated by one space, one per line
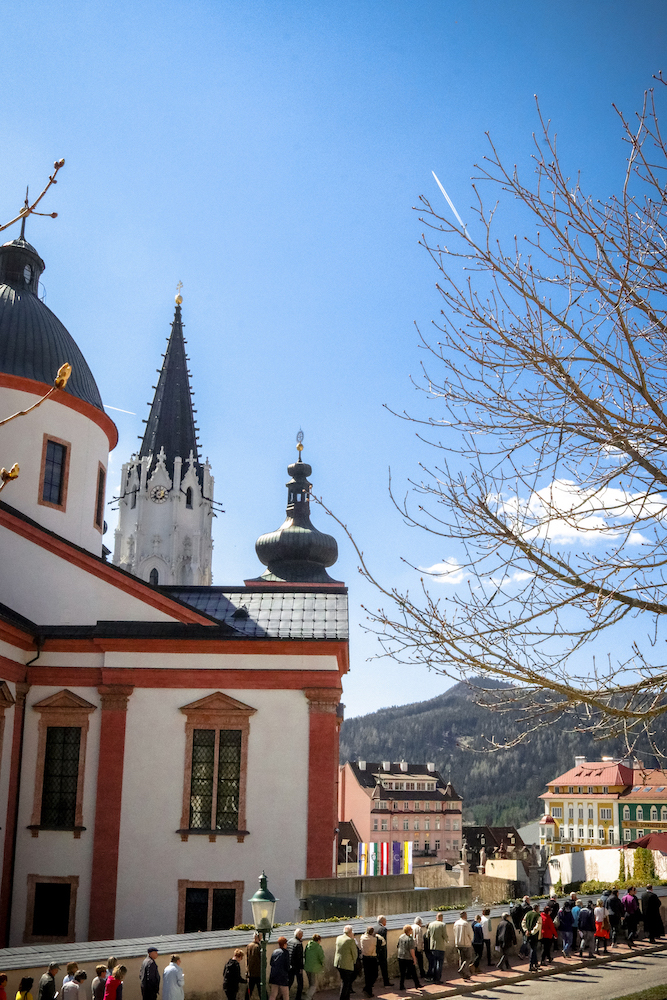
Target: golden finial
299 442
179 297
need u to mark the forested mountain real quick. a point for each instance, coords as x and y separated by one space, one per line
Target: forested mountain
499 788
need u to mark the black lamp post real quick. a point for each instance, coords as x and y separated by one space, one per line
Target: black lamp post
263 911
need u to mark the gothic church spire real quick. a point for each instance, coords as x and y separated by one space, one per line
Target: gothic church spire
171 422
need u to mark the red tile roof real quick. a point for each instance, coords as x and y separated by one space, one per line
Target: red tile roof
599 772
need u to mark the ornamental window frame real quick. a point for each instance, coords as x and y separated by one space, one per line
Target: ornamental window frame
66 710
218 712
185 884
654 814
33 881
64 479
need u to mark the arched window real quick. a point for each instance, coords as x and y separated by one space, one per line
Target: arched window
154 578
654 812
640 814
663 814
188 497
626 812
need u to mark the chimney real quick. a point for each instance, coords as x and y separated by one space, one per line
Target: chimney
361 765
430 766
404 765
386 765
578 761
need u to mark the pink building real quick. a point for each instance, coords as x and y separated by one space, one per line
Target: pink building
390 801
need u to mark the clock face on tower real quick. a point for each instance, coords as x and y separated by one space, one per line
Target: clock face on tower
159 494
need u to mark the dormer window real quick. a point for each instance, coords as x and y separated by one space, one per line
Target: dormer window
27 274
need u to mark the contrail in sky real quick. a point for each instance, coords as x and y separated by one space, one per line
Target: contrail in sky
449 200
118 409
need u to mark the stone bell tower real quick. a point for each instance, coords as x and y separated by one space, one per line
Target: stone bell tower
166 496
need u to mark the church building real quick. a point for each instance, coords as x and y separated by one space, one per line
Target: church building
162 740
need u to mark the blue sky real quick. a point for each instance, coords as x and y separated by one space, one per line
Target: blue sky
268 155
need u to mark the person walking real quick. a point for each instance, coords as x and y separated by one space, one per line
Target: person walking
631 908
149 975
650 904
531 926
47 984
279 972
295 950
463 938
407 963
487 930
549 934
565 926
72 969
614 908
253 967
232 977
418 934
437 935
113 988
505 941
98 983
369 959
602 928
3 986
23 992
586 930
381 932
477 940
576 910
518 912
345 960
173 980
313 963
70 990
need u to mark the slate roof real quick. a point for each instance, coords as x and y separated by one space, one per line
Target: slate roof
33 341
271 614
171 422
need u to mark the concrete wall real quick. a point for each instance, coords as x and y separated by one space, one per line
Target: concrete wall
435 876
352 885
507 868
494 890
370 904
580 866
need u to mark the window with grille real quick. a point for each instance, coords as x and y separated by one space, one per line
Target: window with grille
54 473
61 776
215 782
208 908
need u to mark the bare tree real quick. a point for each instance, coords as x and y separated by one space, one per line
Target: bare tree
550 382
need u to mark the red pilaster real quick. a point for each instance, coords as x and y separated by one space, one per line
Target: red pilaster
322 780
6 891
102 914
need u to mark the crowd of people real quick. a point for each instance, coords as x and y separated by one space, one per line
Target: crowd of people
575 927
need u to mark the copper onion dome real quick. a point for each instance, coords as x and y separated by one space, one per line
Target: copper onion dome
297 552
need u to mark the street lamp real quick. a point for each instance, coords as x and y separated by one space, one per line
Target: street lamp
263 911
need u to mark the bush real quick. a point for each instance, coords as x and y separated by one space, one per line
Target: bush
572 887
644 867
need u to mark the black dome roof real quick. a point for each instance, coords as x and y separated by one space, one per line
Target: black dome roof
33 341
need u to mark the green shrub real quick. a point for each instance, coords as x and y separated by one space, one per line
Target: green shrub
571 887
644 867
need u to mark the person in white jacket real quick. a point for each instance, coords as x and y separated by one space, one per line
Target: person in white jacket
173 978
463 943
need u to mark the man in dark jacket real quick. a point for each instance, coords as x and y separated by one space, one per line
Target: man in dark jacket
615 911
631 907
253 960
518 913
653 925
47 984
295 952
587 930
231 975
381 932
505 940
279 974
149 976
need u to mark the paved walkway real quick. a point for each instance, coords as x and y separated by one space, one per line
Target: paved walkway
488 978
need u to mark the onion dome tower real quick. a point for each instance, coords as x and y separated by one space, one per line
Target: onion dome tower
297 552
62 448
165 508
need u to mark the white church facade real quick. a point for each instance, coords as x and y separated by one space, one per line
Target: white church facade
162 740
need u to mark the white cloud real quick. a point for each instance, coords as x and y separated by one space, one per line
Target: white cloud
449 571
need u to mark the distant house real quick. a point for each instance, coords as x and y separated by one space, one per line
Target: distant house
396 801
497 841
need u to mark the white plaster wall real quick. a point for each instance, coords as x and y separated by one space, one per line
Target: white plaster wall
22 441
67 595
55 852
152 856
602 865
230 661
5 768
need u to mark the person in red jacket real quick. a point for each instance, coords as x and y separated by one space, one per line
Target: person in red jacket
113 988
548 936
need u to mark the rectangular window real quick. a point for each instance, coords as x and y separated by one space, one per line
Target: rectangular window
427 806
99 499
205 781
416 824
406 824
627 835
600 834
581 833
384 825
54 473
406 805
61 777
375 824
557 812
455 824
418 806
437 822
427 824
437 845
580 813
606 814
570 813
590 813
212 906
395 804
50 909
571 833
455 845
382 805
640 833
590 833
394 823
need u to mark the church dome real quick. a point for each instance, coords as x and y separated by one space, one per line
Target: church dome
297 552
33 341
